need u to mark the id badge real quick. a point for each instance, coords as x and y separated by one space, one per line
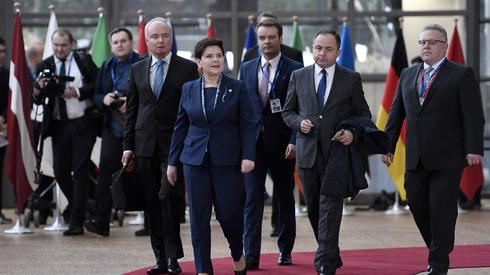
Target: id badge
276 105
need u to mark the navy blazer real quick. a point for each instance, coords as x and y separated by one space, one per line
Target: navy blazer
273 123
104 85
227 134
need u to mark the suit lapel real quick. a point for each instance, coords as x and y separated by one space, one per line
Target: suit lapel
146 74
439 79
311 87
334 89
223 88
414 95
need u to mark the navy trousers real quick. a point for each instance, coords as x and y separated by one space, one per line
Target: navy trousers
222 186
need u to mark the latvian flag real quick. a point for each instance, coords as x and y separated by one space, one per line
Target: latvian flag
21 161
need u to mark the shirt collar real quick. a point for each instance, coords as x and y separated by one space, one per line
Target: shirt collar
274 61
57 60
435 66
167 58
330 70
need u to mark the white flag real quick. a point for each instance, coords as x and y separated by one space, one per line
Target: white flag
48 46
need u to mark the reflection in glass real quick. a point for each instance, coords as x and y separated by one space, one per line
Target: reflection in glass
61 5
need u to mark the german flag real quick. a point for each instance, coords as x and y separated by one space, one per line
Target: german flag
398 63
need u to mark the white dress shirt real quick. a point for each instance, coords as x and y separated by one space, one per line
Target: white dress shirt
272 70
318 76
74 107
153 68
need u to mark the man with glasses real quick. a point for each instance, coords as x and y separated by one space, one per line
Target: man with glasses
442 104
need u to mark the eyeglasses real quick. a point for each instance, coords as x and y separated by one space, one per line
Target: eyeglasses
430 42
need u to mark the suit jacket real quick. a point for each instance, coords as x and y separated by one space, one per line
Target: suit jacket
87 68
273 124
447 126
227 133
345 100
289 52
150 121
4 91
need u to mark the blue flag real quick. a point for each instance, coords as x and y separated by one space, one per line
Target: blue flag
250 39
346 57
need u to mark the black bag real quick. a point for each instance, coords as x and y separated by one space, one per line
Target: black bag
127 193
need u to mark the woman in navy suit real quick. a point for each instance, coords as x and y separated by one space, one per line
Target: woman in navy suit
214 138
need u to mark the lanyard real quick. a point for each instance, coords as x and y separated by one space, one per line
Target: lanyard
273 83
115 76
423 89
203 98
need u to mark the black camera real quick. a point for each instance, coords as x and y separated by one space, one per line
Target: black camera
118 102
54 85
48 76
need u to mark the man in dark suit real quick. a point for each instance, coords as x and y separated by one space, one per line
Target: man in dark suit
319 97
267 79
155 87
287 51
290 53
72 131
110 96
442 105
4 90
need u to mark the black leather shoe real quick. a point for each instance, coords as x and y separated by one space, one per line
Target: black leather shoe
157 269
142 232
326 270
284 259
252 262
73 231
274 233
91 226
173 266
241 272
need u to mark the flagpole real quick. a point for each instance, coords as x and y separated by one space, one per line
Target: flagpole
18 228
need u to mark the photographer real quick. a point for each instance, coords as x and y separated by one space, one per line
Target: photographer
64 85
110 95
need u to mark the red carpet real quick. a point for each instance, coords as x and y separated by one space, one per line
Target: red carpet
399 261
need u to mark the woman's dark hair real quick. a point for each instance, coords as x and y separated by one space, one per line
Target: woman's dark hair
202 44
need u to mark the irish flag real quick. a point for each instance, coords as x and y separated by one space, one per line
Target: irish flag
398 63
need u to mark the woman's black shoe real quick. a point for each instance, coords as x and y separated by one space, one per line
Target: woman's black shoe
241 272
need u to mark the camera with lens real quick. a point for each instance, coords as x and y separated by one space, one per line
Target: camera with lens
54 85
118 101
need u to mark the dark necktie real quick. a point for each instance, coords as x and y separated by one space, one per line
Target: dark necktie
158 82
264 84
322 86
61 101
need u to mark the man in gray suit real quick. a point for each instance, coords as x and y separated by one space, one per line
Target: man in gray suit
319 97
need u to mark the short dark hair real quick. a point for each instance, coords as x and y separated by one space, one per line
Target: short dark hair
270 23
267 14
202 44
121 29
331 32
63 32
2 41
